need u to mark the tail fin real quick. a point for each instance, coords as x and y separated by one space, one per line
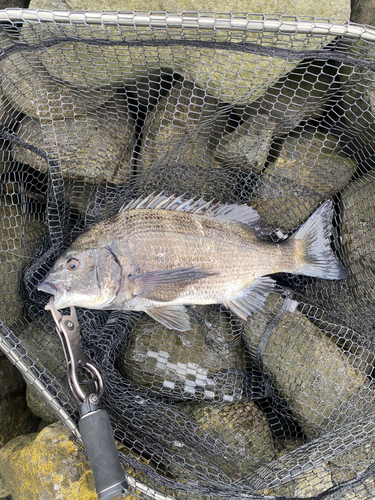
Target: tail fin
315 249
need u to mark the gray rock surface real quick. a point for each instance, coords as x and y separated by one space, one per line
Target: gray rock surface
332 8
15 417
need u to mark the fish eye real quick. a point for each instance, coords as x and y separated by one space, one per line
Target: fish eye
72 264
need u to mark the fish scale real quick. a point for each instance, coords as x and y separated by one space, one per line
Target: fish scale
159 254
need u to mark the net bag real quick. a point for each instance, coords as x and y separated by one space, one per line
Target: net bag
98 109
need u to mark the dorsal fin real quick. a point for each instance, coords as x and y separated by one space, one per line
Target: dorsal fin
214 210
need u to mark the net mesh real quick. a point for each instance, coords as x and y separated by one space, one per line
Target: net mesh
96 114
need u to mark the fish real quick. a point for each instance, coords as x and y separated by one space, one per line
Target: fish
161 253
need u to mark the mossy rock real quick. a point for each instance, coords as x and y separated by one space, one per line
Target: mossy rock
248 145
44 347
185 127
321 9
204 363
315 377
309 169
97 148
19 235
15 416
31 90
229 75
308 484
357 106
242 426
358 236
46 465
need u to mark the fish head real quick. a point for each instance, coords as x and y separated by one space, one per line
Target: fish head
85 278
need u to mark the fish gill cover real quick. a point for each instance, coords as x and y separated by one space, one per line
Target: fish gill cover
95 116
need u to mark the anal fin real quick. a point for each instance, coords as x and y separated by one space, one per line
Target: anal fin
251 298
174 317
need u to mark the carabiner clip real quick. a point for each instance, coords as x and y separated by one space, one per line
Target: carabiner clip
68 330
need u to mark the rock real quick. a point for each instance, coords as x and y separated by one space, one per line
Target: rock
185 127
341 307
247 146
336 459
350 464
38 406
241 425
300 95
335 10
4 490
231 76
49 466
347 321
363 12
316 378
309 169
203 363
314 482
356 108
43 344
46 465
97 147
19 234
179 138
19 4
31 90
357 236
15 417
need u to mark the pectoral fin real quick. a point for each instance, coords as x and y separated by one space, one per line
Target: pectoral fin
173 317
166 285
252 298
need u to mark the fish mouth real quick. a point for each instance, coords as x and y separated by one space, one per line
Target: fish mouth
47 287
58 291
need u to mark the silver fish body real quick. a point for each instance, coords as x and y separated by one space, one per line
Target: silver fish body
159 254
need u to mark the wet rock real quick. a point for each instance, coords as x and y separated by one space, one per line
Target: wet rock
20 232
316 378
357 236
241 425
15 417
309 169
203 363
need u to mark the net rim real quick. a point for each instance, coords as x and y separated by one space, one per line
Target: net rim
195 20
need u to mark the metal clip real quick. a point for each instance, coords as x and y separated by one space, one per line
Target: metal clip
68 330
